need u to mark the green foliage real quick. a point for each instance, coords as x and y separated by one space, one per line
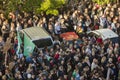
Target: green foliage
52 11
36 6
31 5
102 2
10 5
51 6
45 5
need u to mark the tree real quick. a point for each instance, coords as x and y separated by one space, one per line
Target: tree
36 6
51 6
10 5
31 5
102 2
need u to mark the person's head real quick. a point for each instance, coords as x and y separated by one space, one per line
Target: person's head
118 59
18 60
109 5
116 45
7 71
30 21
79 25
29 76
111 14
51 49
18 24
95 61
109 18
110 60
110 52
44 19
1 74
2 16
86 10
86 68
12 24
103 59
72 78
1 39
0 22
97 74
86 58
61 68
4 77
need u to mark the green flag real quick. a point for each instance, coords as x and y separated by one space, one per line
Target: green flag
19 43
28 46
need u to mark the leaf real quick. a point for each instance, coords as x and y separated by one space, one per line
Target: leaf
45 5
53 12
51 6
102 2
36 6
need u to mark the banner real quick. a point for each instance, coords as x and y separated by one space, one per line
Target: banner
19 43
28 46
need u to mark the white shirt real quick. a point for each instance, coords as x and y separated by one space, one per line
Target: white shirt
93 66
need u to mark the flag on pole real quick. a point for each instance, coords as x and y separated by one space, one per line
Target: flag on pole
28 46
19 43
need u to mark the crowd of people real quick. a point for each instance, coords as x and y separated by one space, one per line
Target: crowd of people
64 61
